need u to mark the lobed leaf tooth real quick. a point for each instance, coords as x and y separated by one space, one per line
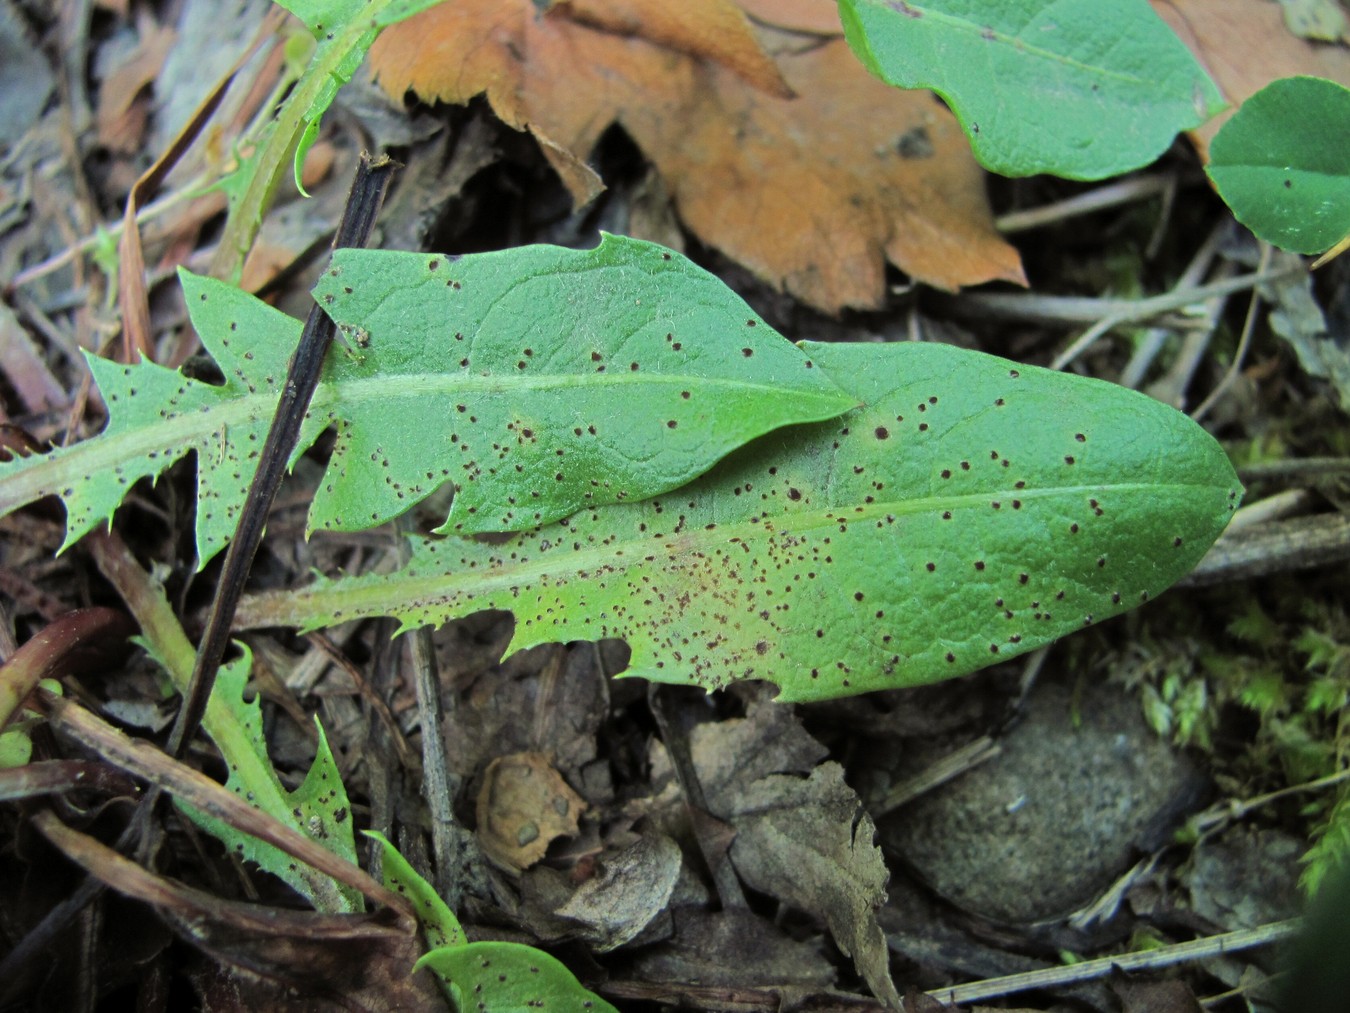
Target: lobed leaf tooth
486 372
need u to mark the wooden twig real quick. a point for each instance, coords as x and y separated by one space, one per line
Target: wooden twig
302 377
1165 956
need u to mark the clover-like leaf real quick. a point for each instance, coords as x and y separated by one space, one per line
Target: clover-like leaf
1281 164
1080 88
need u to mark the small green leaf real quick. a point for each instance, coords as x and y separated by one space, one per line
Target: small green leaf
323 16
1280 163
535 380
495 977
16 747
439 925
318 808
1079 88
973 510
492 977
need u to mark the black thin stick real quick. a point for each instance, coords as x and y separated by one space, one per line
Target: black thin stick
302 377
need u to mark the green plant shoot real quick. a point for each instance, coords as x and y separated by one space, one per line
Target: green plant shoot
490 976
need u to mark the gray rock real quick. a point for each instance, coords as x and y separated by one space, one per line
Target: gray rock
1081 787
1245 877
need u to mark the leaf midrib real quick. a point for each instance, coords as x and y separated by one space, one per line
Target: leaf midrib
974 28
190 428
491 383
401 588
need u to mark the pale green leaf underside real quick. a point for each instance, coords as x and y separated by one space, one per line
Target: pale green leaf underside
1079 88
1280 163
973 510
433 391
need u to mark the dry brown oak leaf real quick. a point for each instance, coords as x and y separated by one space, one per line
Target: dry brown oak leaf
777 147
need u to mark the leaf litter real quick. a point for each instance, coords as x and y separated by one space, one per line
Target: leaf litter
835 194
1244 46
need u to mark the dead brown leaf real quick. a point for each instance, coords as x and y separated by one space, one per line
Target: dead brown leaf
797 15
733 948
1245 45
1155 996
24 366
714 30
805 841
364 959
632 889
120 118
810 844
523 807
814 193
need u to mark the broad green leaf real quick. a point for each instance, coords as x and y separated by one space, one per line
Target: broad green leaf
439 925
973 510
541 380
536 380
1079 88
1281 164
318 808
494 977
